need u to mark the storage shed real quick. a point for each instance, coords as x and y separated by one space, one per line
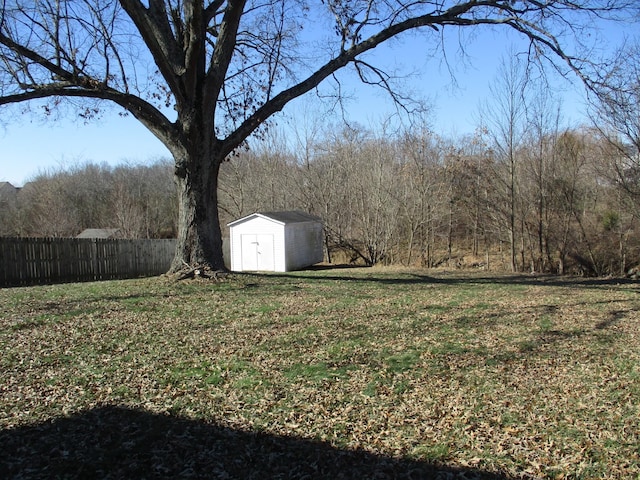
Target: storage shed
275 241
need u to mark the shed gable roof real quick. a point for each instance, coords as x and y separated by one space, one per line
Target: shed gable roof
283 218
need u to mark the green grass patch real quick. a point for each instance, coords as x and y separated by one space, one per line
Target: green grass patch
402 362
315 373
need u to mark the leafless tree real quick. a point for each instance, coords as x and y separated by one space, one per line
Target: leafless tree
376 206
616 116
505 117
46 209
571 202
8 209
262 179
539 170
471 169
424 190
330 174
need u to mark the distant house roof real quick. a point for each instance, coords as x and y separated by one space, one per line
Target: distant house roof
8 191
6 186
284 218
99 233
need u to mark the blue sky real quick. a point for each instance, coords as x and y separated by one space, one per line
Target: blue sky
29 145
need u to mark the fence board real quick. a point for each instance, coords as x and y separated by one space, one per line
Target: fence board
29 261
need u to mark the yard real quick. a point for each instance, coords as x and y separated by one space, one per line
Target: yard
344 373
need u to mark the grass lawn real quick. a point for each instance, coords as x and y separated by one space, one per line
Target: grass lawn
344 373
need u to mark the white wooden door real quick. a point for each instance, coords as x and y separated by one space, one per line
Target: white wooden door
257 252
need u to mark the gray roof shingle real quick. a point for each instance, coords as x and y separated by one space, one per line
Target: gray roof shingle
285 217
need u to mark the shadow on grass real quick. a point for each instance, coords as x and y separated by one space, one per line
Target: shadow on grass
117 442
457 277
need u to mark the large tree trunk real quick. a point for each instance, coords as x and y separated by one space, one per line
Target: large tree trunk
199 233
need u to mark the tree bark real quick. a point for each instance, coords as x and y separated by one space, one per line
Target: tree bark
199 232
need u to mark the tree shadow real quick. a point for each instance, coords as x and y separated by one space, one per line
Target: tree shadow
333 266
554 280
112 442
614 317
457 277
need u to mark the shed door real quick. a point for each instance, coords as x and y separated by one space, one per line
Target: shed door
257 252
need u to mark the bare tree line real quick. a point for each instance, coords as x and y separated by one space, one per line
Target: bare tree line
551 204
521 194
138 200
420 199
205 77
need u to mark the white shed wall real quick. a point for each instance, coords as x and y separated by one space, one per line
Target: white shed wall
303 244
257 226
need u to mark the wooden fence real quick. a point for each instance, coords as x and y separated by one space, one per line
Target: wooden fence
29 261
